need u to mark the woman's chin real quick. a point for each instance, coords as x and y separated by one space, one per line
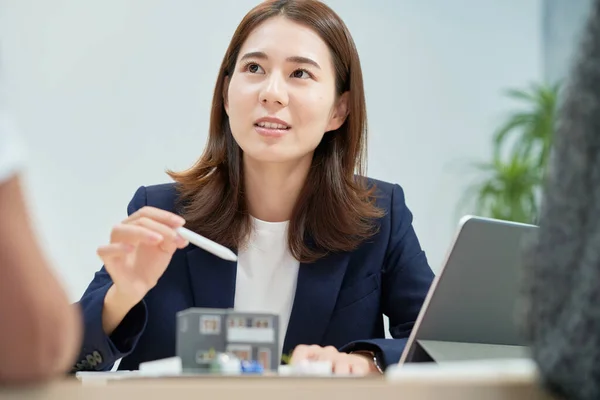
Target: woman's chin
269 157
272 154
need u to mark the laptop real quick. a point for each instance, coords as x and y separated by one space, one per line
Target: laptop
471 310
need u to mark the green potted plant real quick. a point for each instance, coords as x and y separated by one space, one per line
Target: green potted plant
509 184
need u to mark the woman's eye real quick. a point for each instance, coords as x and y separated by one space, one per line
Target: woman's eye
301 73
253 68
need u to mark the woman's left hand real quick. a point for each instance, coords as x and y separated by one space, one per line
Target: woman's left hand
341 363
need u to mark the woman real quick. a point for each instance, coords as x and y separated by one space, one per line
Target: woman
326 250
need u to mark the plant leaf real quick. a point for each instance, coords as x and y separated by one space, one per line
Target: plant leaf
510 182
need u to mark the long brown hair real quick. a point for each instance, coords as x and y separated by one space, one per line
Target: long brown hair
335 210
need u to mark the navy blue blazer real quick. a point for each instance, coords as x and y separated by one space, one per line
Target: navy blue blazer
340 300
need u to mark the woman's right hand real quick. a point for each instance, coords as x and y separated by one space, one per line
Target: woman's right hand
139 252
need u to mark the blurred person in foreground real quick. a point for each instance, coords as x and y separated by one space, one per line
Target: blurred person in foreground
39 329
563 265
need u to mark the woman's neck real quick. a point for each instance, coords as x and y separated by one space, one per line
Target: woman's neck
272 188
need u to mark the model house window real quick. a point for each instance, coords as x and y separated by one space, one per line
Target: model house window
210 324
236 322
264 358
205 356
261 323
241 351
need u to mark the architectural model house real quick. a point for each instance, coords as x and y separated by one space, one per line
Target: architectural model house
203 332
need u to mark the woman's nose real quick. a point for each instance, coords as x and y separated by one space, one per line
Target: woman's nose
274 92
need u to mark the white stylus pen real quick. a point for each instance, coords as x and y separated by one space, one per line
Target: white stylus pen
207 244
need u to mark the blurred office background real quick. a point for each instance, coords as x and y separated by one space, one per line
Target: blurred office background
108 94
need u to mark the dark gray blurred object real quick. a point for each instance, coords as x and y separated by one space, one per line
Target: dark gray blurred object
563 264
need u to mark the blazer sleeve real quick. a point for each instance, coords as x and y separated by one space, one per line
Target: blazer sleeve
405 283
99 351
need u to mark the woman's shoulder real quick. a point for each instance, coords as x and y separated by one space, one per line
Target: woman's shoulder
391 199
162 190
385 193
381 187
162 196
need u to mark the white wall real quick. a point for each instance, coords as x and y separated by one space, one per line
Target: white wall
562 26
109 93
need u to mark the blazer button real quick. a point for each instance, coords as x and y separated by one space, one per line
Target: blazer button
90 360
97 357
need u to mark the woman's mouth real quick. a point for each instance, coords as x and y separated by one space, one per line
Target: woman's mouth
271 129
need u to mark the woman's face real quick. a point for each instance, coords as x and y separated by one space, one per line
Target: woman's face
281 96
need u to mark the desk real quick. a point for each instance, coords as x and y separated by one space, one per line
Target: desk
276 388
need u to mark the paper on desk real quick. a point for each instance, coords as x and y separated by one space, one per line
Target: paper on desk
167 367
96 377
465 371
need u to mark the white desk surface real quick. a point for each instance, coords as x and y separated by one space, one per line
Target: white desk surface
512 380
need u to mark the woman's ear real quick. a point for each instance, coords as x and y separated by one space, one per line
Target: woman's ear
225 92
340 113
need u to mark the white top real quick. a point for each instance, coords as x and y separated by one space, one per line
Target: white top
267 274
11 156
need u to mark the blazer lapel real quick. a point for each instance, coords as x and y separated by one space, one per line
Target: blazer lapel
212 279
316 294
